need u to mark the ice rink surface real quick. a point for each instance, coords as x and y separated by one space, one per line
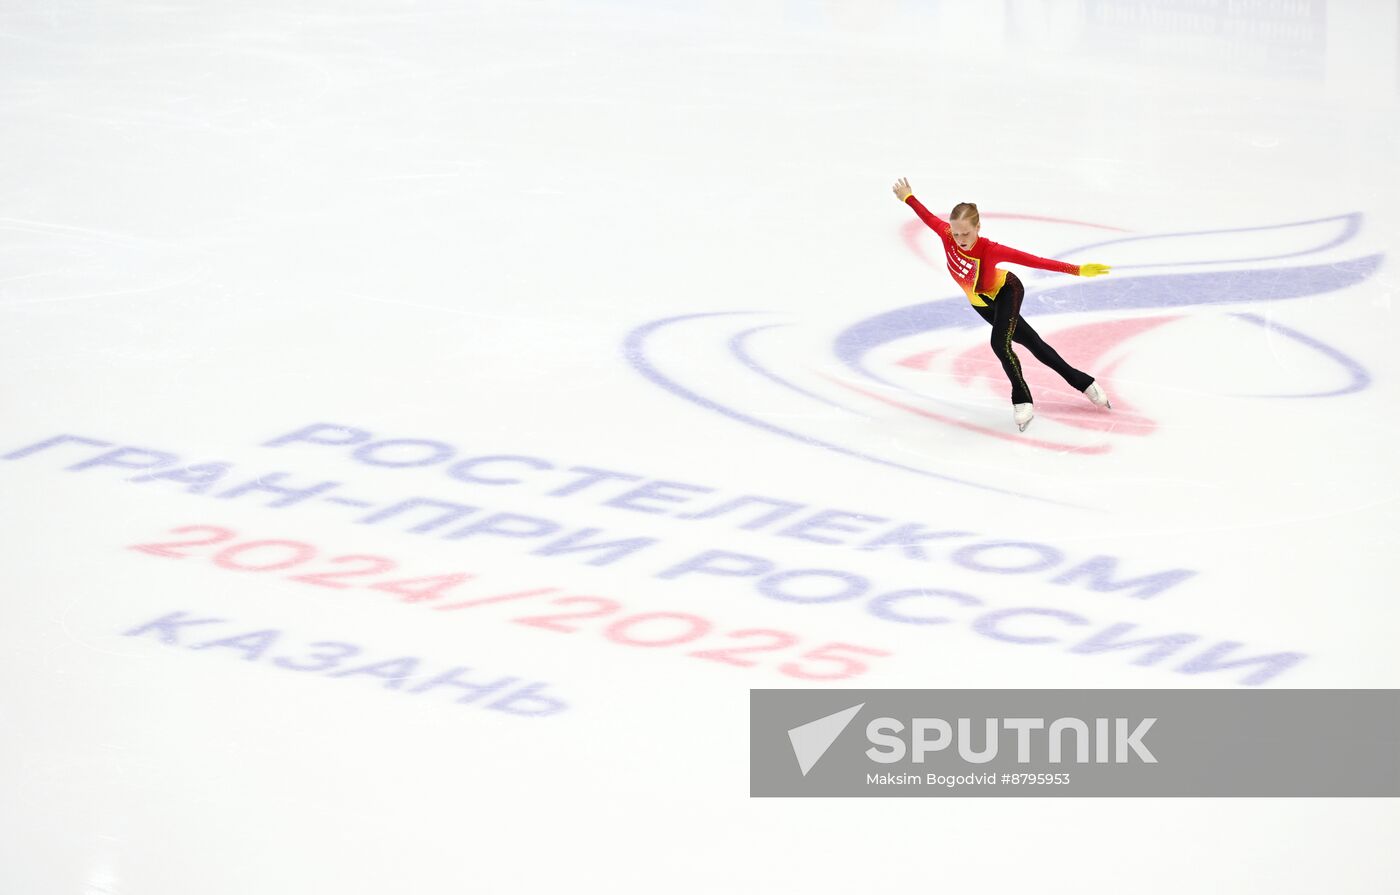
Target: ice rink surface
575 358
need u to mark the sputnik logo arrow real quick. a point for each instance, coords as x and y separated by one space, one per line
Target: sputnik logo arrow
811 740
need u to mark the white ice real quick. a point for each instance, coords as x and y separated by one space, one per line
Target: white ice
451 226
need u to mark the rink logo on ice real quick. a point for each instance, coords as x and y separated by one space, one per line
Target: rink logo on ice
1197 304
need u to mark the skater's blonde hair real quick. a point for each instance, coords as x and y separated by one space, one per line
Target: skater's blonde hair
968 211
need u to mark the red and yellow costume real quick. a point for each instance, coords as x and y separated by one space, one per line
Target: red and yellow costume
975 270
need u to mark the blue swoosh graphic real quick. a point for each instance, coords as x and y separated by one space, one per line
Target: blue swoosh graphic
1131 293
1360 378
738 346
634 349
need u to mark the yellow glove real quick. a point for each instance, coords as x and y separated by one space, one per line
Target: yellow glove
1093 270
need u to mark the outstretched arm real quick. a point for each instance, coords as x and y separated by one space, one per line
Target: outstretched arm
903 193
1083 270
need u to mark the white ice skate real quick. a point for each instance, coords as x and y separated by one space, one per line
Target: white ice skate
1098 396
1024 414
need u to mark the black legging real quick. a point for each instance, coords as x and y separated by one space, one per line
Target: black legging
1004 314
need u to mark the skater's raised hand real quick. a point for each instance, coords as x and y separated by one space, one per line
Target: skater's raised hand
1093 270
901 189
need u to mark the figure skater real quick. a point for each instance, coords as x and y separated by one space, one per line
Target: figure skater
997 294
